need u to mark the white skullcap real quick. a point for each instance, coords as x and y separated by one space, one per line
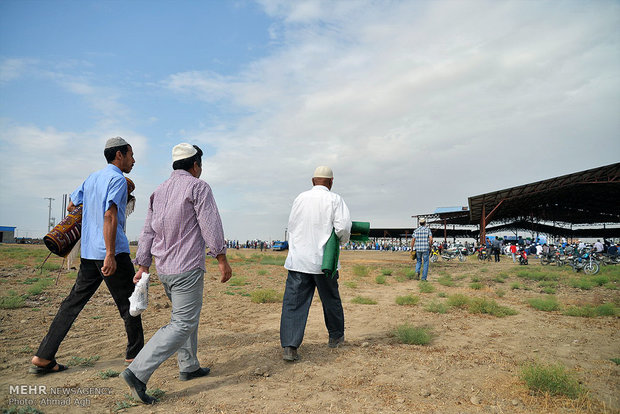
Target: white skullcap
115 142
323 172
182 151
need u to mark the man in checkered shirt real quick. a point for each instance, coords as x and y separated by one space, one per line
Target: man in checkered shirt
421 243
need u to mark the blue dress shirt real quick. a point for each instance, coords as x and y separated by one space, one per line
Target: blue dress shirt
97 194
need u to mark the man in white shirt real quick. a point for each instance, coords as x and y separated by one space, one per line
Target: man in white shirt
598 246
314 214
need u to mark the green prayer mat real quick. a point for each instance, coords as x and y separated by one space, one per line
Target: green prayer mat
331 253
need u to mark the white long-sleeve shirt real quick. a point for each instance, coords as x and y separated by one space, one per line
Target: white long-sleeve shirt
315 212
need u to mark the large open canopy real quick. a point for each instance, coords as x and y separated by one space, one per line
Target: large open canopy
590 197
581 204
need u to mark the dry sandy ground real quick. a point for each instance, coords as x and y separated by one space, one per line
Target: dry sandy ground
471 366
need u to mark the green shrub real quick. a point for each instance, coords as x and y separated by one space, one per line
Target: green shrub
548 283
237 281
12 301
360 300
412 335
426 287
583 283
500 293
360 270
475 279
408 300
21 410
590 311
410 274
606 309
436 307
544 304
548 290
273 260
458 301
108 373
515 285
615 361
386 272
122 405
445 281
265 296
442 295
83 362
490 307
380 279
39 286
501 278
262 272
476 285
156 393
551 379
537 275
599 280
350 284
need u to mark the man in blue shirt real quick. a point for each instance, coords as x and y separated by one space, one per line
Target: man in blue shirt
104 256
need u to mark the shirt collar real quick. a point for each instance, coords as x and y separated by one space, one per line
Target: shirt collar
320 187
177 173
115 168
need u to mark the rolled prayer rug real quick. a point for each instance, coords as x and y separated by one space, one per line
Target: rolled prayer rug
66 234
360 231
331 252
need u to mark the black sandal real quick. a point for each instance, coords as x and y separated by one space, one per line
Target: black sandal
47 369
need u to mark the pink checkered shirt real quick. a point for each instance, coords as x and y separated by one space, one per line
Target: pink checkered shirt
181 221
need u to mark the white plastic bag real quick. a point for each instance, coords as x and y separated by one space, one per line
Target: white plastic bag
139 299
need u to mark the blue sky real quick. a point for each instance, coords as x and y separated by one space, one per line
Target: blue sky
414 104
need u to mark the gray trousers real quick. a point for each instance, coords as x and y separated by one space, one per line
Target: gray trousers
181 335
296 305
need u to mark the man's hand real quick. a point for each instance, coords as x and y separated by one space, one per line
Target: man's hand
138 276
225 268
109 265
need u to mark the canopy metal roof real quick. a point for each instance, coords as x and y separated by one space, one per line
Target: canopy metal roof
586 197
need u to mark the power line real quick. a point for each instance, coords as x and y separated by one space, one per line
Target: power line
49 216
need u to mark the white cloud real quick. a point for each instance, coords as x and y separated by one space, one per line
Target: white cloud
37 163
13 68
421 103
414 104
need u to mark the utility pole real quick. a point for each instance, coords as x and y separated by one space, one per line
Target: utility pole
49 215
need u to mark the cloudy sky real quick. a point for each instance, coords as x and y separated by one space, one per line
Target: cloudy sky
414 104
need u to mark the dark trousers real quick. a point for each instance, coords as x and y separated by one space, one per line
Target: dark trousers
496 253
296 305
89 277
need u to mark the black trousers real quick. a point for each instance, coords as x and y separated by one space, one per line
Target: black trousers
296 305
496 252
89 277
